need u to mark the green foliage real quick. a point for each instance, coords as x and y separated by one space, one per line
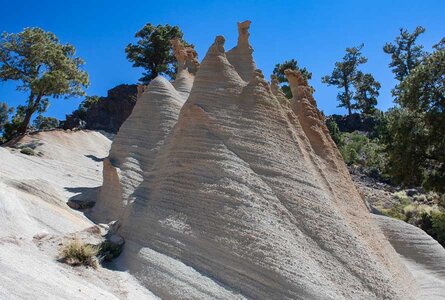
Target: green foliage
5 111
27 151
380 130
440 45
438 226
12 127
402 197
153 51
366 93
85 105
334 132
406 146
45 123
429 219
416 131
405 54
358 149
77 253
43 66
108 250
292 64
348 78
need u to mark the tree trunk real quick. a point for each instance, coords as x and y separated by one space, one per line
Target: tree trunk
29 112
347 100
26 121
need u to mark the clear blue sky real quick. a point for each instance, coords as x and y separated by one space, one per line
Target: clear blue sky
315 33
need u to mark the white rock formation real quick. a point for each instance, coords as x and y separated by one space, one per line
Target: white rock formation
34 219
136 145
247 196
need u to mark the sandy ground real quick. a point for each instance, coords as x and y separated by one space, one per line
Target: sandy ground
35 220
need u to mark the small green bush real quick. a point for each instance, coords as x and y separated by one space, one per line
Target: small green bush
76 253
358 149
438 226
429 219
334 131
402 197
27 151
109 251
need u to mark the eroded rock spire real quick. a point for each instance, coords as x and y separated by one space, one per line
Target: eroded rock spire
186 56
241 56
243 33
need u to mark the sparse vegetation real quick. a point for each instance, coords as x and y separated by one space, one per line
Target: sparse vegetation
431 219
357 149
27 151
109 251
77 253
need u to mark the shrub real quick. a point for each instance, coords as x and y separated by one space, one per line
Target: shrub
358 149
45 123
429 219
402 197
438 226
76 253
27 151
108 251
334 132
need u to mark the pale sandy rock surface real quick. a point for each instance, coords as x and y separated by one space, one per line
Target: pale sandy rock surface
247 196
424 256
139 139
34 219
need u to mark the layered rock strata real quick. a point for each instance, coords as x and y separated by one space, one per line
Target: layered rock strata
245 195
137 143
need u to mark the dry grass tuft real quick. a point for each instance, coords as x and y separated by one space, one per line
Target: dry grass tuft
76 253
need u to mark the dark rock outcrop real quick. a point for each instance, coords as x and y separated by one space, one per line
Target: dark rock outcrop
354 122
108 113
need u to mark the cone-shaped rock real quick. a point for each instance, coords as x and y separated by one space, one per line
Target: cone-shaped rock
248 197
136 145
241 56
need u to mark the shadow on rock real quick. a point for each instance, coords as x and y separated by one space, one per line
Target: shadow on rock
85 198
95 158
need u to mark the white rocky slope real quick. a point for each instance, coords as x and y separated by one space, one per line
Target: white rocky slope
248 197
35 220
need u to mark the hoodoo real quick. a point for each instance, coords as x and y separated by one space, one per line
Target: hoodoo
236 192
136 145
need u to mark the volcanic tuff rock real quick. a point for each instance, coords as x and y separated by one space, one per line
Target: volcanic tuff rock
136 145
241 193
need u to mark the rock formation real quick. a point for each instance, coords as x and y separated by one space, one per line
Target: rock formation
136 145
241 56
108 113
241 193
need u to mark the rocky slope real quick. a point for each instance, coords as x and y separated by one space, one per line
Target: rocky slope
246 196
35 220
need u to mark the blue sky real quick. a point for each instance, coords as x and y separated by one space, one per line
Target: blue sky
315 33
